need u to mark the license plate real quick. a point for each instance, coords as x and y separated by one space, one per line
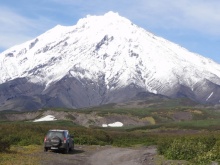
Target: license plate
54 148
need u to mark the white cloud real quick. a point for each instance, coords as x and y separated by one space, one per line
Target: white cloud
199 15
16 28
204 17
10 39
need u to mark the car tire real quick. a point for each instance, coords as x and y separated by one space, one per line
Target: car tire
45 149
67 149
72 148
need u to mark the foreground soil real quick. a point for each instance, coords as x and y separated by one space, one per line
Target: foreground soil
86 155
101 155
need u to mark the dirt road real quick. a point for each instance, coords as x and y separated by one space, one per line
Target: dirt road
101 155
123 156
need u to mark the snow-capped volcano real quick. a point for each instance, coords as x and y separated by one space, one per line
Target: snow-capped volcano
99 60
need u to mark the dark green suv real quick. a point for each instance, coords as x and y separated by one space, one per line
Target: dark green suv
58 140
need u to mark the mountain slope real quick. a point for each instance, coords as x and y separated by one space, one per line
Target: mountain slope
103 59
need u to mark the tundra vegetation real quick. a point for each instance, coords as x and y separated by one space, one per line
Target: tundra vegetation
196 140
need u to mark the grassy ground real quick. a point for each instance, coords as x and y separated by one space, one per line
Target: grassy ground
170 134
21 155
26 140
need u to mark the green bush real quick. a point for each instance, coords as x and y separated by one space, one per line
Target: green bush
212 155
4 143
199 149
24 134
163 144
184 149
127 139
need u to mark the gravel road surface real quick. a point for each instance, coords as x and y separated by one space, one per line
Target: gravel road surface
101 155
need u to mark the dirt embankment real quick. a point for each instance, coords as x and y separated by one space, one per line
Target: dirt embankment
95 119
80 118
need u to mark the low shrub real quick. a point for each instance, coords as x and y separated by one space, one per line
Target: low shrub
4 143
198 149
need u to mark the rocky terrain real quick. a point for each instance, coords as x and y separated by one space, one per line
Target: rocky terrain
96 119
83 119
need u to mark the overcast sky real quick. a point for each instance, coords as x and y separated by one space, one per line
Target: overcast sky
193 24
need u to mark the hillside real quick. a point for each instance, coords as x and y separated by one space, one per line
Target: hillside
174 113
101 60
165 130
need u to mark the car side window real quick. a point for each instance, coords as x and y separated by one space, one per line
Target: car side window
67 134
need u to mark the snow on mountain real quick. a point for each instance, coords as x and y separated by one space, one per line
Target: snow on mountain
112 50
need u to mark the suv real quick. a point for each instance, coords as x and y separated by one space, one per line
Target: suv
58 140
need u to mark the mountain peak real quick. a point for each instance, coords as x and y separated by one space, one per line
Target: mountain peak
107 19
112 14
105 59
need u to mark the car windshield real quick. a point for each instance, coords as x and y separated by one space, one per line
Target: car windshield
54 134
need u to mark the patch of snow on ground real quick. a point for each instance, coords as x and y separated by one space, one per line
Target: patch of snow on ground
116 124
46 118
104 125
